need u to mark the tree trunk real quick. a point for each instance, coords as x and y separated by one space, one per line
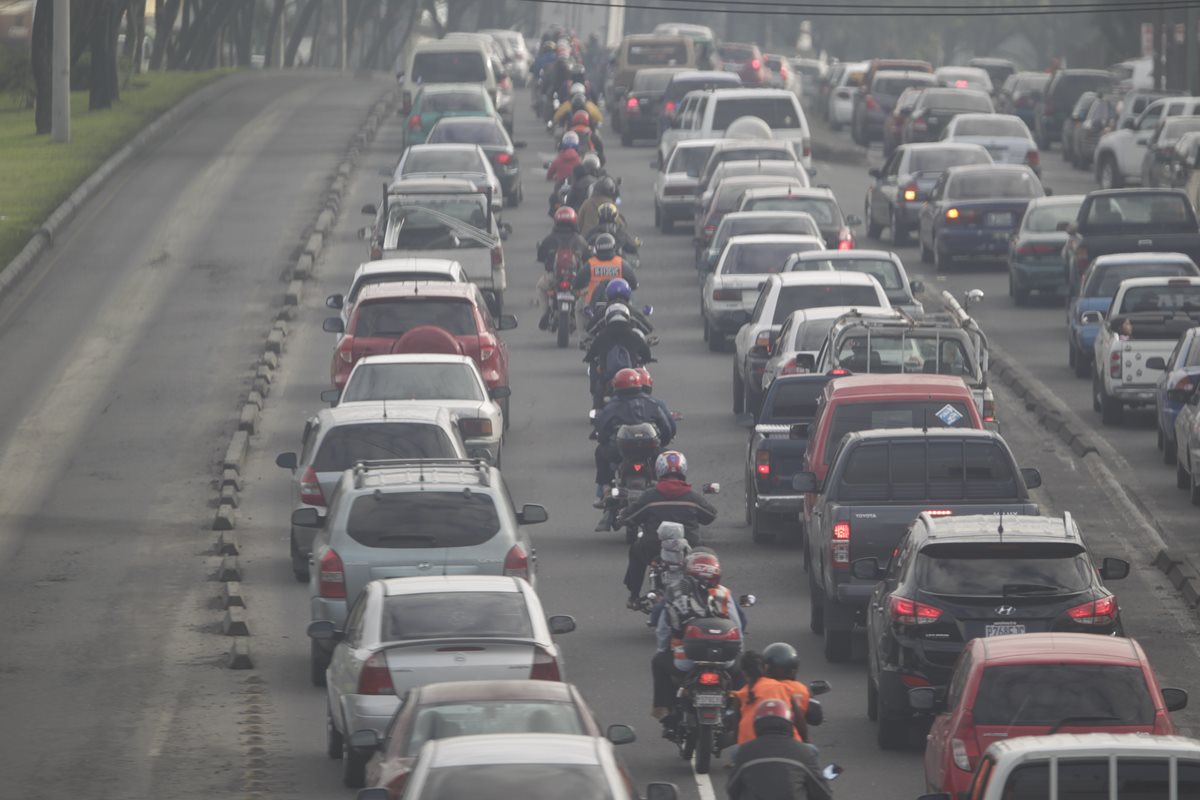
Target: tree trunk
383 30
41 46
165 12
314 59
100 45
273 33
302 23
245 36
137 13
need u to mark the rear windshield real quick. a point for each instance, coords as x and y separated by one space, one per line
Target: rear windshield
690 160
656 54
538 781
991 127
825 212
934 471
464 67
796 399
411 225
956 100
982 185
735 52
996 569
484 717
393 318
1046 219
442 159
1174 128
651 81
1047 694
1031 83
1105 281
1151 212
882 270
729 193
912 353
444 615
940 160
894 86
444 102
392 277
412 382
777 112
795 298
1075 85
1160 298
401 520
802 224
678 88
852 417
451 131
346 445
754 259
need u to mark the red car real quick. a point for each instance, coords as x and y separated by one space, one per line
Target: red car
1035 684
746 60
386 311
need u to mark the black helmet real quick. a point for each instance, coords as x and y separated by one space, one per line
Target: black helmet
606 187
780 660
579 102
606 247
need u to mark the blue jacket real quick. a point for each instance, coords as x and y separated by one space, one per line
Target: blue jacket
630 410
541 62
666 413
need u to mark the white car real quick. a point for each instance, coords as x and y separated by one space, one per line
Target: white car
447 381
884 265
466 161
795 348
708 114
731 290
1005 136
407 632
841 96
964 78
1120 153
389 270
676 180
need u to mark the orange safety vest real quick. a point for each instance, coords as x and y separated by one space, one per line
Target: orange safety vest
718 600
600 271
791 692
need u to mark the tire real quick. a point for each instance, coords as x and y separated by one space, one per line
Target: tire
564 328
333 739
759 532
299 562
507 416
626 139
1108 175
749 501
748 403
899 232
716 339
1170 450
1193 491
317 662
1020 296
354 767
816 606
704 749
1076 361
739 396
1112 412
1182 479
838 643
872 700
891 733
874 229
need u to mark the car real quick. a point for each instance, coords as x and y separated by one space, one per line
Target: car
1088 305
465 161
1187 441
877 65
886 267
516 56
998 69
975 78
390 270
527 765
404 518
640 51
779 73
713 112
502 96
893 123
1036 684
437 711
451 382
437 100
1073 122
1060 96
723 200
1004 136
446 61
935 107
874 103
676 180
956 578
1182 161
637 115
684 82
972 212
809 72
901 186
837 230
749 153
490 135
335 439
1121 152
741 223
793 170
840 106
1102 117
385 312
731 289
745 61
1035 249
403 633
793 351
1180 375
1020 95
1160 149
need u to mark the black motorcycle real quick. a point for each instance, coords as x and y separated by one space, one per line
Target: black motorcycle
638 446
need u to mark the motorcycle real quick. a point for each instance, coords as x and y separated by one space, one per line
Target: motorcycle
562 298
638 446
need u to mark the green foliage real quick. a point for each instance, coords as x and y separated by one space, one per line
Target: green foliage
16 75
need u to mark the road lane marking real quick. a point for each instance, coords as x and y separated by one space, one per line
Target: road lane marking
704 785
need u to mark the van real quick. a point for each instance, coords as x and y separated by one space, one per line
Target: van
706 115
456 60
643 50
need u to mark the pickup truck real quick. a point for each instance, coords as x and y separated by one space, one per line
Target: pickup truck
879 482
776 452
1145 320
1129 221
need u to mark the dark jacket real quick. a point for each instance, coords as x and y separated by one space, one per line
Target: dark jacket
581 187
636 316
761 768
630 409
625 242
548 247
671 500
618 334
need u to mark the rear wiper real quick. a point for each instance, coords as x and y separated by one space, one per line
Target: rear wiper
390 537
1030 588
1079 719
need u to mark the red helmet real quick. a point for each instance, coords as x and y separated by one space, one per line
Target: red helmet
705 568
581 118
647 381
566 216
627 379
769 709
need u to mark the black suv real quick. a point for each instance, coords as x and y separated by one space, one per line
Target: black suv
953 579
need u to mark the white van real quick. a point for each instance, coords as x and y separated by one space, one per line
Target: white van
706 114
455 60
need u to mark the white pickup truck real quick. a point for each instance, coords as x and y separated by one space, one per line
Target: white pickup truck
1143 323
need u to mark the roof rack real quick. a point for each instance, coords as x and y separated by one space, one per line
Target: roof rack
420 465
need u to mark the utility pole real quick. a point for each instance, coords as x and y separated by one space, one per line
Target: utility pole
60 73
1191 39
342 34
1160 46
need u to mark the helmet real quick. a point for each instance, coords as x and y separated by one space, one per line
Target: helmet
547 46
780 660
670 462
578 88
618 290
704 567
570 140
608 213
566 216
577 71
581 118
606 246
605 187
647 381
627 380
579 102
592 162
772 709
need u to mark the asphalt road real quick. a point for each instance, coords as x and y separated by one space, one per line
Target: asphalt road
134 347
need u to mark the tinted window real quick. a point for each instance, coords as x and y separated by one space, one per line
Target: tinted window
1075 85
483 717
940 160
796 399
1149 779
412 382
894 86
882 270
752 154
392 318
1104 281
753 259
445 102
1154 211
1161 298
468 132
656 54
414 222
811 335
1028 782
986 568
1046 694
825 212
448 68
851 417
441 159
956 101
1175 128
678 88
991 127
423 519
735 52
1046 219
983 185
789 223
345 445
689 160
392 277
508 781
777 112
443 615
650 81
795 298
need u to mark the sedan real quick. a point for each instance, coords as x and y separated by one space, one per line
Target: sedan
1160 149
438 100
475 708
636 116
883 266
820 203
466 161
403 633
1004 136
746 60
676 180
490 135
394 269
1180 375
1035 250
964 78
937 106
747 222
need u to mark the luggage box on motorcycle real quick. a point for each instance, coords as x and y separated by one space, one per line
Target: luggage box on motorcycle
712 639
638 442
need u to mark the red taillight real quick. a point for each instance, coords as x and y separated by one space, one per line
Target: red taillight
960 84
910 193
669 107
516 562
631 102
414 122
693 632
475 427
638 467
503 158
806 148
910 612
1038 249
763 340
1097 612
845 239
710 229
487 347
545 667
913 680
709 679
755 64
762 463
505 83
919 124
310 489
331 577
938 512
375 678
564 286
497 257
1114 365
1033 158
989 409
871 103
841 544
1185 385
838 372
727 294
790 368
376 252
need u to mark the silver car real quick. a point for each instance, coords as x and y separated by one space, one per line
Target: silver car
336 439
389 270
1005 136
676 180
467 161
885 266
794 351
447 381
403 633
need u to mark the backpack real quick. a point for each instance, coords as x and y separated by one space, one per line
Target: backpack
616 359
683 603
565 262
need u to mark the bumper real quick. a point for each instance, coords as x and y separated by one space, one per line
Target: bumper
777 503
908 213
365 712
1134 394
894 690
677 206
328 608
986 243
509 178
728 320
640 125
1044 277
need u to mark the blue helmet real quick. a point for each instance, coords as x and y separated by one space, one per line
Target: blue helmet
570 140
618 291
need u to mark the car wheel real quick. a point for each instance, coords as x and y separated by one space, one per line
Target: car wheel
749 401
318 660
706 333
354 767
749 500
1109 175
668 224
739 395
299 564
892 732
874 229
1170 450
1193 491
837 642
816 603
1095 394
1112 412
760 532
657 217
333 739
1182 479
899 232
1082 366
1020 295
507 416
872 700
716 340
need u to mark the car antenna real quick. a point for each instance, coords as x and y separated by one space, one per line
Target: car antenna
925 422
1000 528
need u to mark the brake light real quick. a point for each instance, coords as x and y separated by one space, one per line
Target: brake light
331 577
631 102
910 192
505 83
755 64
487 347
952 213
989 409
919 124
669 107
727 294
638 467
845 239
1185 385
960 84
762 463
790 368
910 612
837 372
475 427
1037 249
938 512
497 257
516 562
783 70
806 147
503 158
913 680
375 678
871 103
693 632
1033 158
710 229
840 547
1114 365
1097 612
310 489
564 286
545 667
709 679
1179 282
414 122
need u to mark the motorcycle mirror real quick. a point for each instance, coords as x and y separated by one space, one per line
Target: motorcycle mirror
712 488
831 771
591 413
819 687
675 415
647 310
747 600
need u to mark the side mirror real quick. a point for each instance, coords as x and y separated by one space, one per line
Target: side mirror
874 172
806 361
1156 362
853 220
832 771
1091 318
532 514
917 287
819 687
1073 227
506 322
661 791
1032 477
561 623
500 392
805 482
505 229
333 325
400 74
747 601
926 698
365 742
866 569
324 630
1114 569
620 734
712 488
331 396
335 301
370 208
286 461
306 518
1049 192
1175 699
647 310
815 714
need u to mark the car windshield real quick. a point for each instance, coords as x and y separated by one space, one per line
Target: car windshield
651 81
441 159
468 131
956 100
1071 86
824 211
1031 83
735 52
798 298
1047 218
1047 694
800 223
939 160
933 413
678 88
1104 281
751 154
483 717
983 569
656 54
689 160
446 615
411 225
448 102
777 112
980 185
461 67
882 269
1151 212
509 781
423 519
345 445
393 317
415 381
729 193
796 400
1160 298
996 126
758 258
914 353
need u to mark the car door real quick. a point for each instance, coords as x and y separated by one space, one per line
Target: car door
944 724
879 630
1132 149
888 188
348 658
1149 153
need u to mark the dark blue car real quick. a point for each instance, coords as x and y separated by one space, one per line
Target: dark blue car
1086 311
1181 373
973 211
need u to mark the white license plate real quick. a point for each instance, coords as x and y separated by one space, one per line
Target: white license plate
709 700
1004 629
566 296
997 218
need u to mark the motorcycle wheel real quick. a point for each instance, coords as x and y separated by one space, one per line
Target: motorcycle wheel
704 749
686 743
564 328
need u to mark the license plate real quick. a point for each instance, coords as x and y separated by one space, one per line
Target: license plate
709 700
998 218
1004 629
1000 236
566 296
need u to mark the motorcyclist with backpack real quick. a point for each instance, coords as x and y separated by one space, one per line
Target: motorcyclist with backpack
604 266
603 191
568 158
629 406
564 249
775 765
612 223
582 180
578 102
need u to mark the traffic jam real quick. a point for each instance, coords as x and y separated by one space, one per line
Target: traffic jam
939 588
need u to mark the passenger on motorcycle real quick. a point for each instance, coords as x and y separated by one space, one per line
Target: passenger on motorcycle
612 222
618 291
564 242
628 407
774 765
603 191
776 681
582 180
545 58
568 158
578 102
604 266
589 137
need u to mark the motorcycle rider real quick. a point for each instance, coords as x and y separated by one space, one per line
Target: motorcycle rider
578 102
563 239
582 180
619 291
628 407
568 158
545 58
613 223
603 191
777 682
604 266
589 138
774 765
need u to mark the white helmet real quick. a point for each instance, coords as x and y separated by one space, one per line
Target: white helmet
578 88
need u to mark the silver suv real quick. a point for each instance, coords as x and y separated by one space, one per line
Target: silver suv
404 518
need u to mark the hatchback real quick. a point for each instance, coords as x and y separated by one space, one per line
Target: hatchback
489 134
1035 250
438 100
742 223
388 270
